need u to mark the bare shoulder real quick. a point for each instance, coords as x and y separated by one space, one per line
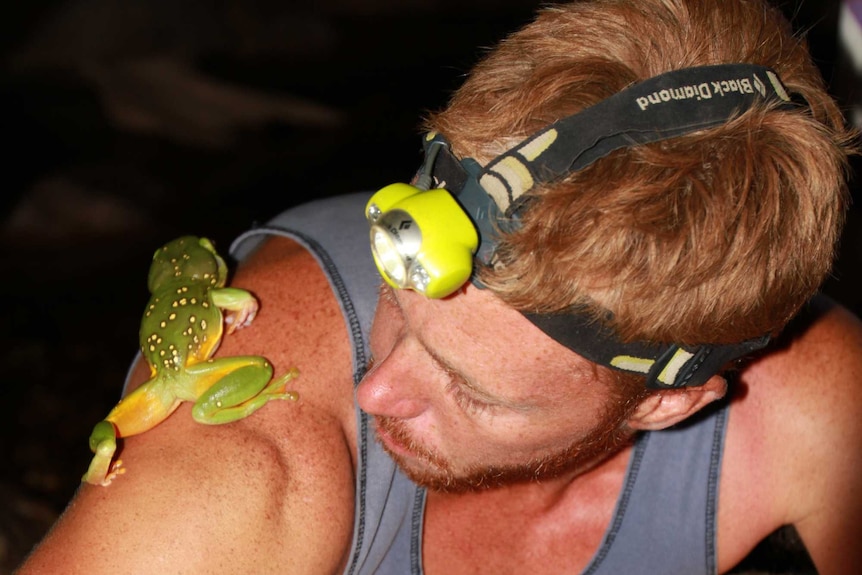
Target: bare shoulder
795 434
269 493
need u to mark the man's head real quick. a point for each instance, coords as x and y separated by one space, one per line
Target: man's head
713 237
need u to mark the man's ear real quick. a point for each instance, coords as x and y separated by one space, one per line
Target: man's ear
666 408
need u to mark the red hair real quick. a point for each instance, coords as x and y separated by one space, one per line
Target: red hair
712 237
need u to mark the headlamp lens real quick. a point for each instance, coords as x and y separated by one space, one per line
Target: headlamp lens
389 258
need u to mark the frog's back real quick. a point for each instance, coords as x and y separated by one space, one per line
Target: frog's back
181 324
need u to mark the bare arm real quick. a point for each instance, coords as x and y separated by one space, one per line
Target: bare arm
796 441
270 493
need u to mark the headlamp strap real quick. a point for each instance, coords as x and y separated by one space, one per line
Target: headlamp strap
664 365
661 107
461 178
665 106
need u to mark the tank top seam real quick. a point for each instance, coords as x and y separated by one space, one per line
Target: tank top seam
417 518
622 506
362 480
712 491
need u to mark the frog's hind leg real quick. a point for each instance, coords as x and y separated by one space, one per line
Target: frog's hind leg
103 443
237 387
145 407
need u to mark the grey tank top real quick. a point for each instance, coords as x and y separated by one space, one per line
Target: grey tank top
665 517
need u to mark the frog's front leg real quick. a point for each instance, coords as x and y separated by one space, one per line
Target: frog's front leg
231 388
241 305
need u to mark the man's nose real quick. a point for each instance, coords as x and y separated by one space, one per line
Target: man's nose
394 388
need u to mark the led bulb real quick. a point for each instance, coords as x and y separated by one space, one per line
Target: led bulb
419 278
373 214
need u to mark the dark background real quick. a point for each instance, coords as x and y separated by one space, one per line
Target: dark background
128 123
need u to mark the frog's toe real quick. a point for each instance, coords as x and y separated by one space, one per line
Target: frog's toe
239 320
277 389
117 469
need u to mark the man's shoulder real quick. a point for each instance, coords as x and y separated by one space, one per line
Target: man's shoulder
811 364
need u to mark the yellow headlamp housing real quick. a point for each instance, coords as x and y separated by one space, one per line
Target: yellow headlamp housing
421 239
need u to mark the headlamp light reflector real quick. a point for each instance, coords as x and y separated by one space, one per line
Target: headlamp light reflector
389 259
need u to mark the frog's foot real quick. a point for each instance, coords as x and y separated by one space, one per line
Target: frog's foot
103 472
277 388
241 317
103 443
117 469
101 467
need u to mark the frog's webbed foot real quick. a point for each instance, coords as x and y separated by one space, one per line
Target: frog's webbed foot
103 443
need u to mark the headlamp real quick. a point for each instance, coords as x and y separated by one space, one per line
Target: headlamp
421 240
428 239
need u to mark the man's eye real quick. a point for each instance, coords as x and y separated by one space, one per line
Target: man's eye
465 401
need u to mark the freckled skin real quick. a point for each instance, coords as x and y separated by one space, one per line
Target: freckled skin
181 329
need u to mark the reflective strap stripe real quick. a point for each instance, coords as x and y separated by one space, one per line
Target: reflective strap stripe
631 363
671 369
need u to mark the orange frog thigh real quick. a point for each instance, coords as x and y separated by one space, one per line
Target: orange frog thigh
141 410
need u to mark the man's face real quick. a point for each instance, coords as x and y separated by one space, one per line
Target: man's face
468 394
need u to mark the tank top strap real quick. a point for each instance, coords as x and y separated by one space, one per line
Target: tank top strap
665 520
334 230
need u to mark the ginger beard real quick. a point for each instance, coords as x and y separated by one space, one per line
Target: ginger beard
436 473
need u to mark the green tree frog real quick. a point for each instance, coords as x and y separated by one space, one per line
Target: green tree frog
181 328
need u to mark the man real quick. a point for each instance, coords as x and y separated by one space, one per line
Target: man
567 406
